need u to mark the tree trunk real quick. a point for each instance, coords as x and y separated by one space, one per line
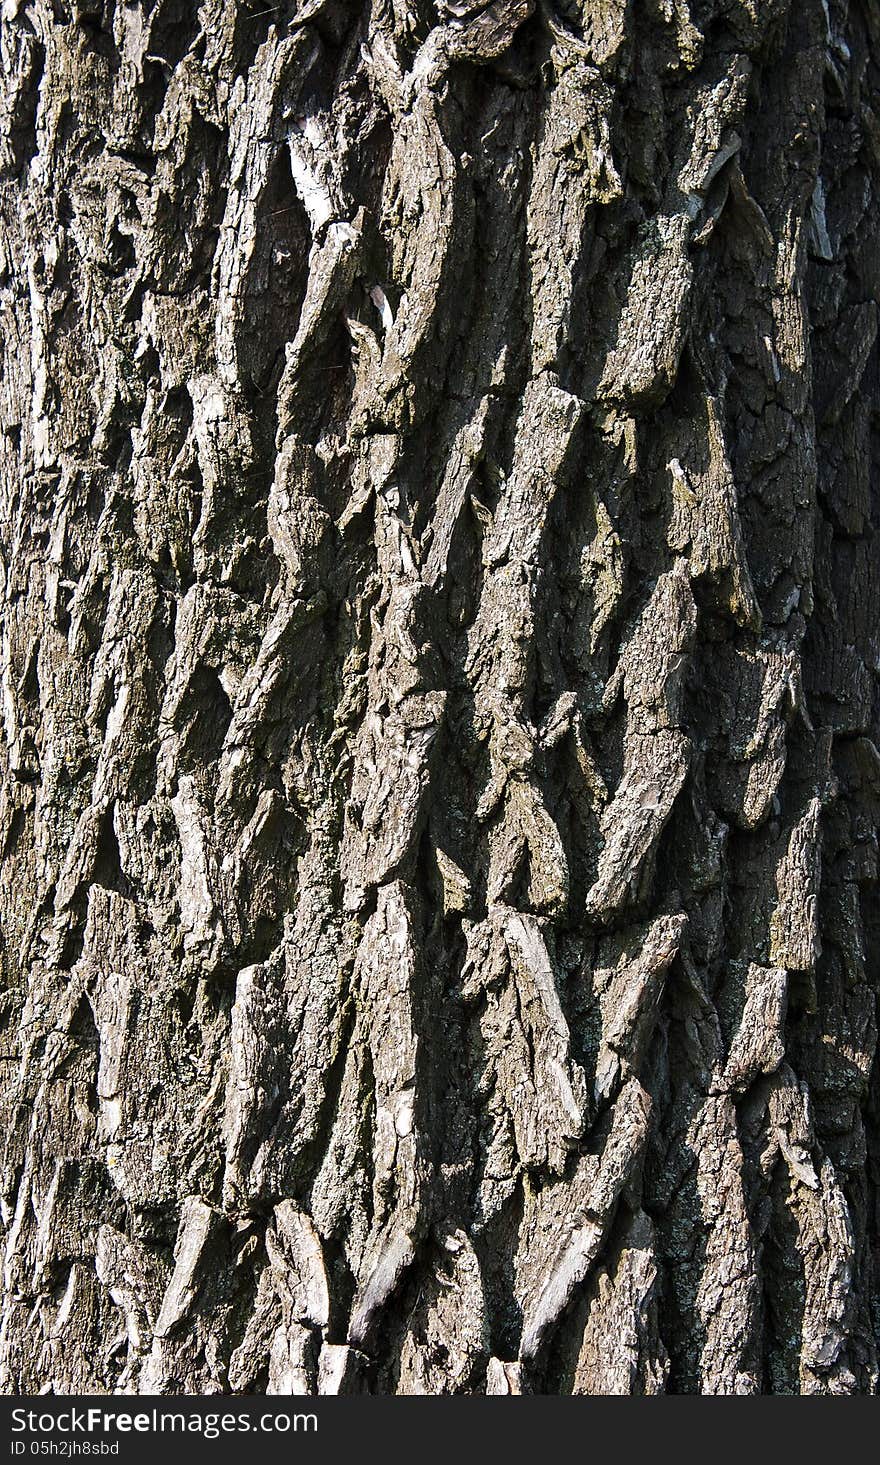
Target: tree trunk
439 696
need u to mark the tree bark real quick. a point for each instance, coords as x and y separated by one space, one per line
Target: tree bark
440 629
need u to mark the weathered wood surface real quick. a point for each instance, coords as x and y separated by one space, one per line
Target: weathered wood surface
439 663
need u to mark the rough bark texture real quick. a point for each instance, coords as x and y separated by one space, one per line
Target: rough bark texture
439 696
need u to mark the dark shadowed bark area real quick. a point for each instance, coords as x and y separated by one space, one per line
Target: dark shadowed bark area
439 691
